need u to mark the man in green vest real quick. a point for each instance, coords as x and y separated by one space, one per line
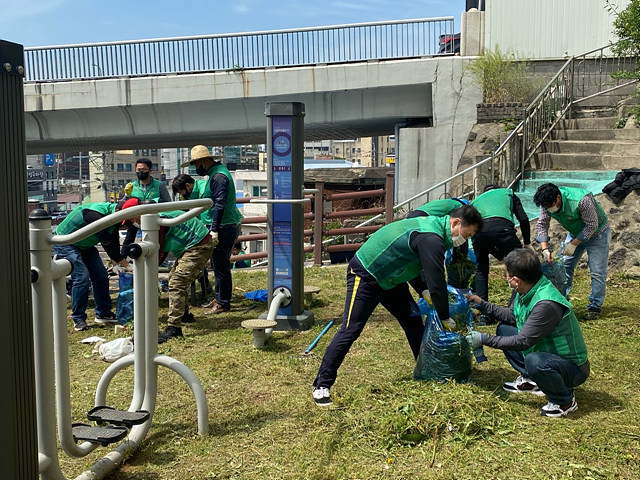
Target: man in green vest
88 268
545 345
225 220
145 187
588 229
438 208
192 245
499 208
379 272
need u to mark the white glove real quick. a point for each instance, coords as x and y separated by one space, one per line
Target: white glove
569 249
427 296
546 254
449 324
529 246
214 236
117 269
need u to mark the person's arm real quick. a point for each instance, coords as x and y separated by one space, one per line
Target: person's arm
164 194
219 186
430 248
162 255
110 241
129 238
503 314
543 318
523 219
589 214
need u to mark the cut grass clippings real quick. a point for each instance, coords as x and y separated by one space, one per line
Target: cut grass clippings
264 424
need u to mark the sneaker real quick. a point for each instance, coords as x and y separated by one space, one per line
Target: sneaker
592 314
169 333
553 410
107 318
322 397
522 385
210 303
188 318
81 326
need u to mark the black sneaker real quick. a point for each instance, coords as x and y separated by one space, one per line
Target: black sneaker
592 314
107 318
188 318
553 410
522 385
322 397
81 326
169 333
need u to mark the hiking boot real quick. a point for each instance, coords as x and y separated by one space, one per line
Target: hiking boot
169 333
217 308
592 314
553 410
188 318
210 304
81 326
107 318
322 397
522 385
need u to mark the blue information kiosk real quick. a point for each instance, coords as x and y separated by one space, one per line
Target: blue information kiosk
285 214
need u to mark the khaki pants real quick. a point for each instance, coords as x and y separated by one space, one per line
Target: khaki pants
183 273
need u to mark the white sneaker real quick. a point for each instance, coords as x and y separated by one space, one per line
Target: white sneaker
322 397
522 385
554 410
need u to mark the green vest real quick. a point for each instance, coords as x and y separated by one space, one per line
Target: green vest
231 214
151 193
566 338
495 203
75 221
199 187
179 238
569 215
387 255
440 208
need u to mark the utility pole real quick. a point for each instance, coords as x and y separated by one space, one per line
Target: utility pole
79 178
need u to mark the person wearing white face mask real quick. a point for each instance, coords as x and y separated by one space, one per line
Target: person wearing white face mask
539 334
588 230
379 272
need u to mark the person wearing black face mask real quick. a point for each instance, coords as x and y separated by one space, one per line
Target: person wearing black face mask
223 217
146 187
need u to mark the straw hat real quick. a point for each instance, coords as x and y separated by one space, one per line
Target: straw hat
199 152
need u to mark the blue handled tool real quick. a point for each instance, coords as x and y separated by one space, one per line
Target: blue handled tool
315 342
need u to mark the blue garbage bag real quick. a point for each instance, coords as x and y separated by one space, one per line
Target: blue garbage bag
124 304
459 309
557 274
258 295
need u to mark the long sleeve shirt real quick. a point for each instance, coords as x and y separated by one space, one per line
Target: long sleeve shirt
588 213
110 241
430 248
523 219
219 186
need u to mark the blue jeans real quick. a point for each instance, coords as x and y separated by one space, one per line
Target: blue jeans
227 235
556 376
87 269
598 250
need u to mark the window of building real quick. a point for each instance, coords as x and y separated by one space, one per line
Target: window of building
136 152
154 152
128 167
145 152
258 191
155 167
121 167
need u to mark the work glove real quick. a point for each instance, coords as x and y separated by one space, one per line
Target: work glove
449 324
475 339
546 255
427 296
569 249
214 236
117 269
529 246
128 188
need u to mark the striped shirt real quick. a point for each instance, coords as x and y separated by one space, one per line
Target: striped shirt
588 212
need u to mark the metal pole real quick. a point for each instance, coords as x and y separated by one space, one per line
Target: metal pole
318 222
388 198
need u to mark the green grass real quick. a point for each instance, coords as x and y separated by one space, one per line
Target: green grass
383 424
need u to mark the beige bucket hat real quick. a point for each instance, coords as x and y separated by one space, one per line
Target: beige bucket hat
199 152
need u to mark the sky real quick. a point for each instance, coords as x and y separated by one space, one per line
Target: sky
35 23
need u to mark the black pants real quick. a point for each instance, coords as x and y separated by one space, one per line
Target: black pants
227 235
498 238
363 296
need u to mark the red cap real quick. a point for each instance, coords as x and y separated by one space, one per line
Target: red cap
132 202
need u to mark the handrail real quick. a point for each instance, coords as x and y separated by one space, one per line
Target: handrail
239 51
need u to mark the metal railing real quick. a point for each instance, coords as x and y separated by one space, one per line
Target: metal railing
581 78
235 52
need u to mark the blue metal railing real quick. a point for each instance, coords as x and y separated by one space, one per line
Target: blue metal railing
305 46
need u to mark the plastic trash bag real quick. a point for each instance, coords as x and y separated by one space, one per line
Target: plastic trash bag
124 304
461 265
443 355
459 309
557 274
115 349
258 295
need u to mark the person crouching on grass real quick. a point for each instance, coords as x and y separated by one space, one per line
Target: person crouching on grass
540 336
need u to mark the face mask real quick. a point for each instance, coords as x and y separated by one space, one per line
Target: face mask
200 170
142 175
459 240
186 194
509 283
553 209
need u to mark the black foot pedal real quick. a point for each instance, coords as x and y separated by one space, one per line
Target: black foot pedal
102 435
117 417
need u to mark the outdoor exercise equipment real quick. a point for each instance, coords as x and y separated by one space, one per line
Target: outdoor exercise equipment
52 351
